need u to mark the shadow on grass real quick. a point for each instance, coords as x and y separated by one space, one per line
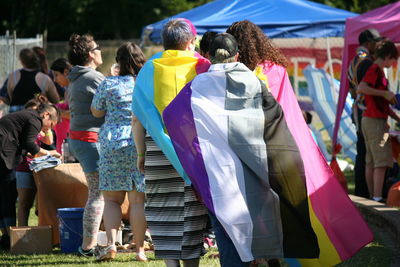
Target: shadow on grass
374 254
350 181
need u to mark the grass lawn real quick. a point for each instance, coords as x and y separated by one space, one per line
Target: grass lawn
60 259
374 254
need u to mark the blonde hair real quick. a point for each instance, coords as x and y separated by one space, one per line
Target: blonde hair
222 56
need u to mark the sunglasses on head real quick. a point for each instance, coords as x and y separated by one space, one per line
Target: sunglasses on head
96 48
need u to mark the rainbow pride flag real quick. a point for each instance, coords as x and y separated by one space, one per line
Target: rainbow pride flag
340 229
232 140
157 84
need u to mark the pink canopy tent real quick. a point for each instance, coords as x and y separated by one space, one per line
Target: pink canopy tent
386 20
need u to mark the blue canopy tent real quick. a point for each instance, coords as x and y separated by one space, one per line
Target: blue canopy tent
277 18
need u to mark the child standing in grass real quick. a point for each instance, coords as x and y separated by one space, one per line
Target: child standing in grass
374 121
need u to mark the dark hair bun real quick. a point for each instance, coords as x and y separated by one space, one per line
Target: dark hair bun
73 40
41 98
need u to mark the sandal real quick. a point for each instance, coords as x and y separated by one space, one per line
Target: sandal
141 256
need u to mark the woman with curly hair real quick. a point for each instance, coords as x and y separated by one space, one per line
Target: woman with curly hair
255 47
258 53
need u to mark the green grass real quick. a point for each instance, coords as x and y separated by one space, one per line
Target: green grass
350 181
60 259
374 254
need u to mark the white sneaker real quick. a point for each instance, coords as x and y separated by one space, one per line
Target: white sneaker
107 253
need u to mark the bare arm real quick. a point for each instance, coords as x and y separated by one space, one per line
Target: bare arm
12 81
47 137
364 88
97 113
28 141
138 136
48 87
393 115
44 152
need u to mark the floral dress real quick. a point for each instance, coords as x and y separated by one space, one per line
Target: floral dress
117 164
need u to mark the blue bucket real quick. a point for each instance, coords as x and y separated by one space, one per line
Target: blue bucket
70 224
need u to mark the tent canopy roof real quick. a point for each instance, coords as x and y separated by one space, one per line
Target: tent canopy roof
277 18
385 19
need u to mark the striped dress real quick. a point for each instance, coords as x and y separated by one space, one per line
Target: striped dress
174 216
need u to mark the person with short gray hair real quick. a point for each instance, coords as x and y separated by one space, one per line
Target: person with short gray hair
175 217
178 34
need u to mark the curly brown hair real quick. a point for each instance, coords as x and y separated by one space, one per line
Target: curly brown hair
254 46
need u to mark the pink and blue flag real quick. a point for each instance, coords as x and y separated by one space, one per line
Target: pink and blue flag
153 93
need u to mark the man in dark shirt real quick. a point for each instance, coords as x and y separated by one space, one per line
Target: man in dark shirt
357 69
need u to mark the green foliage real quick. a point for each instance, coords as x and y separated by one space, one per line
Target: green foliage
117 19
357 6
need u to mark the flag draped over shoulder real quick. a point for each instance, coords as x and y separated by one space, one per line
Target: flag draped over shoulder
232 140
157 84
339 226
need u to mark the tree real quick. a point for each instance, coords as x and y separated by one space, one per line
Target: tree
357 6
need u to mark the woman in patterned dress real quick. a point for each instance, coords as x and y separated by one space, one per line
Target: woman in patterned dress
117 168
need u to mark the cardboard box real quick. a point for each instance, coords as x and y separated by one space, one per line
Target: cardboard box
31 239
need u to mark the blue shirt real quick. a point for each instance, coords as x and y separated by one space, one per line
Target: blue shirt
114 96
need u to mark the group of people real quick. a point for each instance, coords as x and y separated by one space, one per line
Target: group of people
187 137
370 90
32 91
